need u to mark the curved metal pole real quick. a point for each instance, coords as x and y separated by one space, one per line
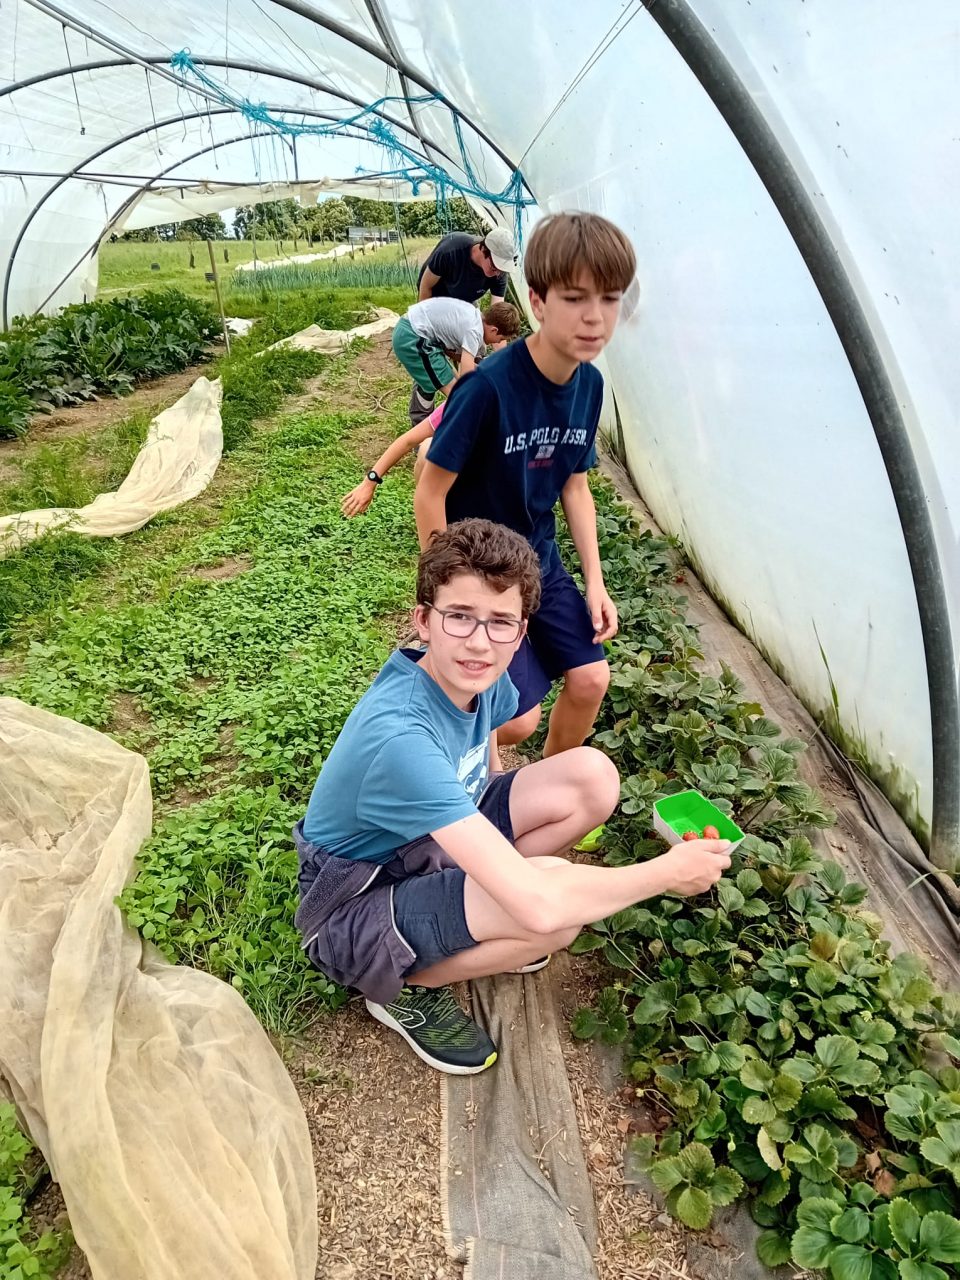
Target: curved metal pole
254 68
383 30
74 172
400 65
732 99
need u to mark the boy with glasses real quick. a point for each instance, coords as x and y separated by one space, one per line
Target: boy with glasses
419 865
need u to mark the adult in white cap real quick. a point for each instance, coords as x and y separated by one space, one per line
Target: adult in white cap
465 267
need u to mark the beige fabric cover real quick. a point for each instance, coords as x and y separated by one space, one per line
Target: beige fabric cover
178 460
166 1115
314 338
179 457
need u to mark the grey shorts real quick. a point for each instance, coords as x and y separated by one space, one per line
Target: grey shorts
428 909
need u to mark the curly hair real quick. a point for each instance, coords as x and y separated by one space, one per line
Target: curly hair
492 552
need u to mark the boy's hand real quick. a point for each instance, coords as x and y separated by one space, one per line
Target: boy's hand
358 499
603 613
696 866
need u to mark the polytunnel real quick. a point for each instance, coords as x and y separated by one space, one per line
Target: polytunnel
783 396
787 388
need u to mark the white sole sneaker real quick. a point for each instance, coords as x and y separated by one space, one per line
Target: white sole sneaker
533 967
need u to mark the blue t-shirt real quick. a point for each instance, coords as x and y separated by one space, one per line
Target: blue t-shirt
515 438
406 763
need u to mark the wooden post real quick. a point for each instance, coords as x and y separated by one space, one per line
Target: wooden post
216 285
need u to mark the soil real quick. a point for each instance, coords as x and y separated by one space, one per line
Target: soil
374 1114
229 567
81 419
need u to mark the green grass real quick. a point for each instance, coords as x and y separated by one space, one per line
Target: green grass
286 313
125 265
71 472
233 688
387 267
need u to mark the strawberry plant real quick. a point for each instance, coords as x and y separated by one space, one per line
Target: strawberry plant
778 1048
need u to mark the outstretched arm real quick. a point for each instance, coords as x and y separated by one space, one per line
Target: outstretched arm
581 513
570 894
358 499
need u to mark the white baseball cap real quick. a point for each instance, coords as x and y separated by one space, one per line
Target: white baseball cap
501 248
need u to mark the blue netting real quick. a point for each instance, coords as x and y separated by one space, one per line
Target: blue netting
410 167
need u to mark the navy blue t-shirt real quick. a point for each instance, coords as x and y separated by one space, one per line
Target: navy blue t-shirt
515 438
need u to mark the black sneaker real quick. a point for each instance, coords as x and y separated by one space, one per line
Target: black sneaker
437 1030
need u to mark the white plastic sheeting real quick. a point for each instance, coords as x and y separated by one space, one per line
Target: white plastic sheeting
178 204
743 425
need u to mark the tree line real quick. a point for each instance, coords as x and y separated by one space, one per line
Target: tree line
329 220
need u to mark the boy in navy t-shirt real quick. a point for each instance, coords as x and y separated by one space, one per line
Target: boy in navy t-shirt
518 434
420 865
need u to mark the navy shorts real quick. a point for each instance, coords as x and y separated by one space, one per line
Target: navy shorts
428 909
559 638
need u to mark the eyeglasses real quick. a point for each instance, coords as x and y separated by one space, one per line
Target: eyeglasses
462 625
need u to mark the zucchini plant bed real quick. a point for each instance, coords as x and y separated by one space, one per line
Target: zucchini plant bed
776 1047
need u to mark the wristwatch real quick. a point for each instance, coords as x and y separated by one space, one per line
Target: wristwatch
373 477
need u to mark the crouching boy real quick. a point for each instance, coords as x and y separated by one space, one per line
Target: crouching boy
419 867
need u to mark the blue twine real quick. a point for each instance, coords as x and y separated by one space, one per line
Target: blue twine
411 167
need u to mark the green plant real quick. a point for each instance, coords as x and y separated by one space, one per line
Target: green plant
694 1185
97 346
254 386
766 1021
362 273
16 410
23 1253
44 574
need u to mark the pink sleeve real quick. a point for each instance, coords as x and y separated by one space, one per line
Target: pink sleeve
434 419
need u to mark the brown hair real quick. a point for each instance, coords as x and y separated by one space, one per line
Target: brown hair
502 558
565 244
505 317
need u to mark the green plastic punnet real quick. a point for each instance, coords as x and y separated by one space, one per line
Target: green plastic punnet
690 811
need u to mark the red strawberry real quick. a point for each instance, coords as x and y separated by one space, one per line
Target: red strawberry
689 835
711 833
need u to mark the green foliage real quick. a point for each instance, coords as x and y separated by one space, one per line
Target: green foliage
693 1184
362 272
16 409
209 226
215 888
767 1021
237 687
44 574
255 386
97 347
279 315
23 1253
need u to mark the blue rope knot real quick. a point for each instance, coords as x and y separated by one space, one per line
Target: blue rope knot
412 168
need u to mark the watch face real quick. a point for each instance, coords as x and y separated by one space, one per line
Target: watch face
372 476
